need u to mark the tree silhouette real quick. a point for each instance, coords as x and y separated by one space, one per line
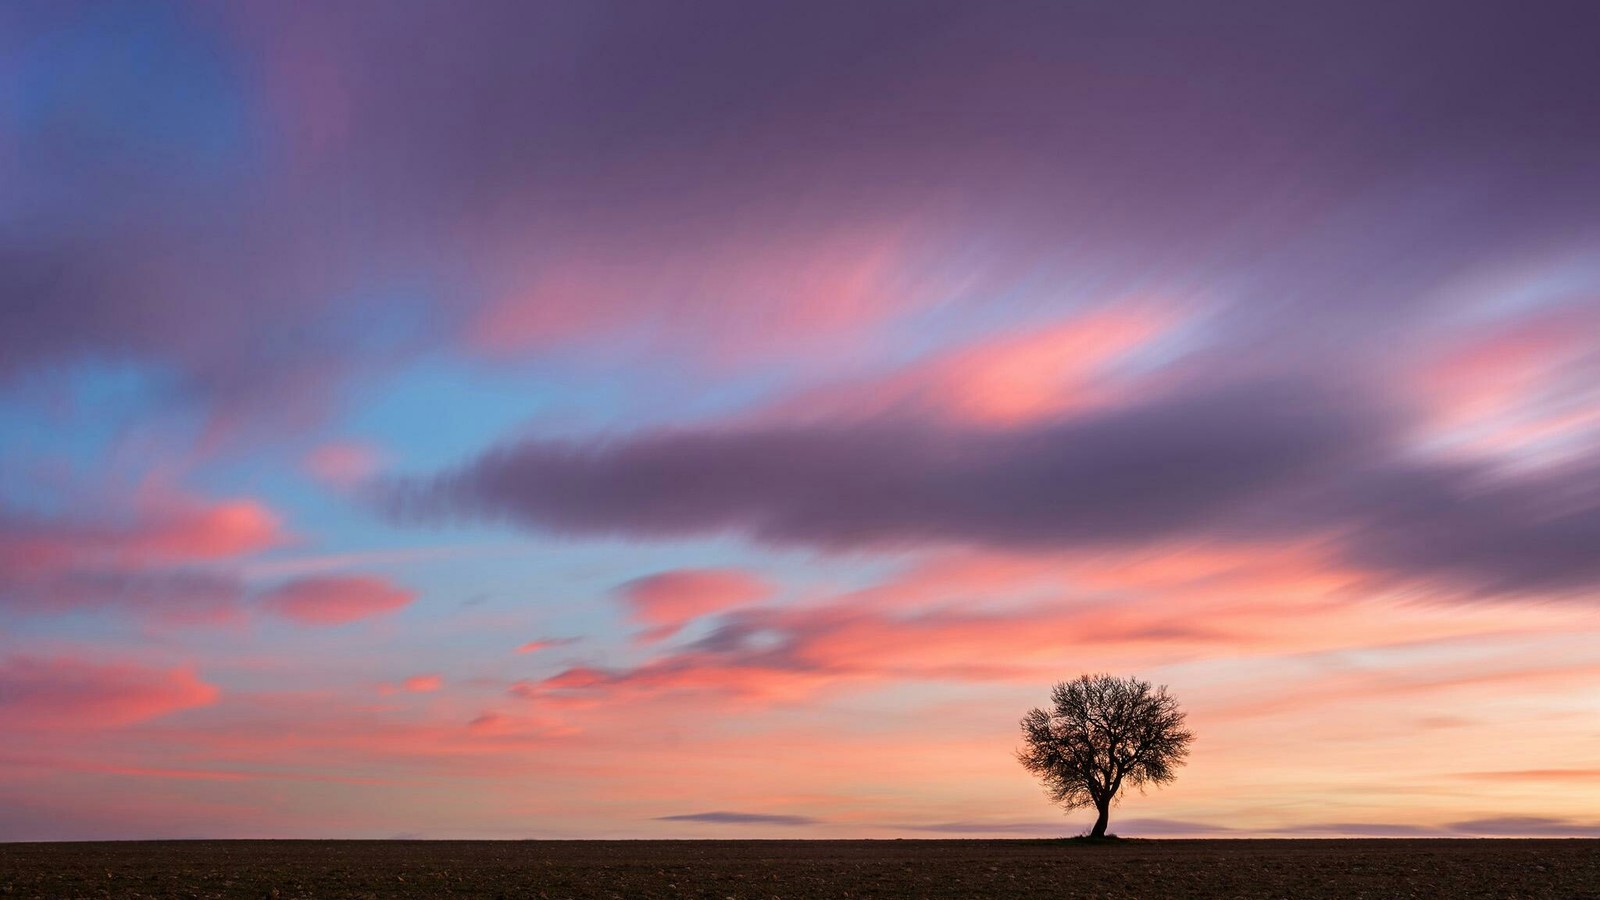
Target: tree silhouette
1103 733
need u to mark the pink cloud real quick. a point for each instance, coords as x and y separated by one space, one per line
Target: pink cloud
55 692
500 725
200 531
545 644
335 599
979 617
776 286
144 560
1513 386
783 655
489 722
422 684
416 684
343 464
1032 373
667 601
164 530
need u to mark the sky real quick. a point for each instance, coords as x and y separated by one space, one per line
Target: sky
715 419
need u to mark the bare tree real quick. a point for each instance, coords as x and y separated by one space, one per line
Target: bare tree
1102 734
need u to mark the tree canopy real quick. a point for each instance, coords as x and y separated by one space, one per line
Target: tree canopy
1101 734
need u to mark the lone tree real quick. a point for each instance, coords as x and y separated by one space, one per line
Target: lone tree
1102 734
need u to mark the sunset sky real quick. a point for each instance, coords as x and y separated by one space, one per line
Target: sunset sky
726 419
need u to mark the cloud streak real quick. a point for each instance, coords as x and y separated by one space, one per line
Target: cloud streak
666 601
1144 472
48 693
1527 826
334 599
1242 460
741 818
157 559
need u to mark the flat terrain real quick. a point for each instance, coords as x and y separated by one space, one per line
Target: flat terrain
805 869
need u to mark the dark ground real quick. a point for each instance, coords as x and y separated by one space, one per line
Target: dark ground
1567 869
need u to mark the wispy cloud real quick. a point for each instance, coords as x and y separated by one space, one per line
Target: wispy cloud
1527 826
65 693
1362 829
666 601
334 600
538 644
1555 775
740 818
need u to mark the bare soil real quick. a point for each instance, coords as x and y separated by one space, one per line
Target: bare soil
1567 869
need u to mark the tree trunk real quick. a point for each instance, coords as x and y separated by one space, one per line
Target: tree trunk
1100 823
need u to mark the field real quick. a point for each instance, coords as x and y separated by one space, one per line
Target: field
1568 869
